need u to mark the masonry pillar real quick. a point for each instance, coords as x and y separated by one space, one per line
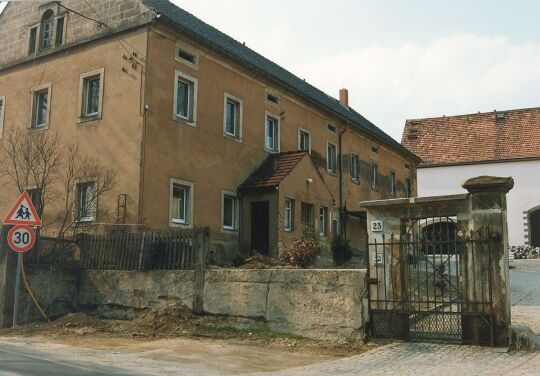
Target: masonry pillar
485 261
8 265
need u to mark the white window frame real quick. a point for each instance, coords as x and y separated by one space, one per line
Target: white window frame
334 217
356 176
392 183
328 125
238 127
330 171
276 135
288 215
190 51
33 109
306 131
92 216
234 196
83 79
323 220
191 120
274 94
189 186
2 114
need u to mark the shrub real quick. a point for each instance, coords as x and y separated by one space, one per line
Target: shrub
341 250
301 252
239 260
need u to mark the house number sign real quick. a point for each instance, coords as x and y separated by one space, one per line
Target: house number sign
377 226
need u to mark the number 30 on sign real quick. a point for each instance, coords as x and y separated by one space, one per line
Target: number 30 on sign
21 238
377 226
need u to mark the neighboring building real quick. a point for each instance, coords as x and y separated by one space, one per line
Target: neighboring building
201 130
499 143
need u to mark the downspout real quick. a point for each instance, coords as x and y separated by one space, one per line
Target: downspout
342 214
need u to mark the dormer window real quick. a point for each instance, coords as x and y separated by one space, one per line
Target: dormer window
45 40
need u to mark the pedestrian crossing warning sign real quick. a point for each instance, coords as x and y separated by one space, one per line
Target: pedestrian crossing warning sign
23 213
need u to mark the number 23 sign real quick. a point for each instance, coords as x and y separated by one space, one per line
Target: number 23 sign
377 226
21 238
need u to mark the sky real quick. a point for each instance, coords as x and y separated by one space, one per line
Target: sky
398 59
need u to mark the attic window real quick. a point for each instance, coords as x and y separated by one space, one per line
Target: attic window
186 56
407 167
500 116
272 98
375 150
331 128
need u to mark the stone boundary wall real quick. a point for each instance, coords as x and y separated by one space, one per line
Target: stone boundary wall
314 303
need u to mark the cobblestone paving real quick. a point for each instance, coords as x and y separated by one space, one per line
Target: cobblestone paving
419 359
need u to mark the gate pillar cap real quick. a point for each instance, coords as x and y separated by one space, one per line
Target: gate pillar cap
482 184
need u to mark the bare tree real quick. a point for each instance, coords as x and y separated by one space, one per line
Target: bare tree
42 161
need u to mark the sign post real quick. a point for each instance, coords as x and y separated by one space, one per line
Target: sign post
21 238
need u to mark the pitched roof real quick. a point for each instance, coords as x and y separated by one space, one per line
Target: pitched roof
210 36
481 137
273 170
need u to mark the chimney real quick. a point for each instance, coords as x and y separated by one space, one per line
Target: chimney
344 97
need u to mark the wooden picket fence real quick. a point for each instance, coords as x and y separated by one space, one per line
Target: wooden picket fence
148 250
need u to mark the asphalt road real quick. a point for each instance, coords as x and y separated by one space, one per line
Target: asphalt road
13 362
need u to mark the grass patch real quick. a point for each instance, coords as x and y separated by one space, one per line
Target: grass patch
229 332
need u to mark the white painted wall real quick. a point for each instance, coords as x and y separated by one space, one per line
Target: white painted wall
436 181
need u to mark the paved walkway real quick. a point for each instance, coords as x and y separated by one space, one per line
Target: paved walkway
419 359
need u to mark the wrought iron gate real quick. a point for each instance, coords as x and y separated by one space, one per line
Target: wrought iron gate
425 283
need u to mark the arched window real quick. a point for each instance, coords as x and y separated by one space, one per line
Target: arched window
46 29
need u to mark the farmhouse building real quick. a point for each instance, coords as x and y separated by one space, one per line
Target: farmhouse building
499 143
201 130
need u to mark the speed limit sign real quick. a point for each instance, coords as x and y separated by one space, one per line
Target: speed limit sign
21 238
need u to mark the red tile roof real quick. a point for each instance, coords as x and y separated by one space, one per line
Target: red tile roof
273 170
481 137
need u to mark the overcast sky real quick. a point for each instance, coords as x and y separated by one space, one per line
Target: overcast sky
399 59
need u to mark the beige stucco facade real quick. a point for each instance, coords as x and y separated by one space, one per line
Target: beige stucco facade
139 136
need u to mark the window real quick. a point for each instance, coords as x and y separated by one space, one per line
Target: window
46 29
59 37
35 197
233 117
85 202
272 133
306 215
272 98
304 142
91 95
229 211
375 150
288 217
2 111
185 98
408 187
335 223
355 168
40 106
186 56
392 180
323 213
32 40
331 128
374 176
181 202
331 158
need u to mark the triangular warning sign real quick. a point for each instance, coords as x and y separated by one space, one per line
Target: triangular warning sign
23 213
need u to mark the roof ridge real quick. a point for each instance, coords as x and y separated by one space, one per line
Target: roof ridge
473 114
